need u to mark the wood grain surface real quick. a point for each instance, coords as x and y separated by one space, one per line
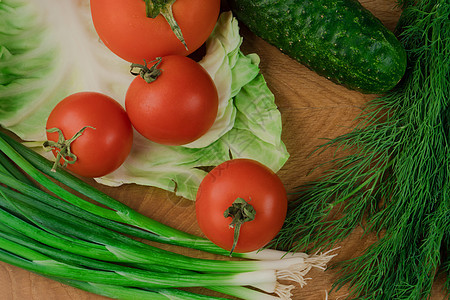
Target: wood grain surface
311 107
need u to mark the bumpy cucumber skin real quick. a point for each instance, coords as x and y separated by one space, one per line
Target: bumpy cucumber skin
338 39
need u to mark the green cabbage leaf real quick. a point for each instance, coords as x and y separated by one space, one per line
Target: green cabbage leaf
49 50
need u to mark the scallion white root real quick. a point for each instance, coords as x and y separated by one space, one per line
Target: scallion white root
320 260
295 268
297 276
284 291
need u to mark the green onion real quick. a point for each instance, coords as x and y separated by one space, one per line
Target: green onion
33 164
42 264
57 234
107 245
26 257
80 261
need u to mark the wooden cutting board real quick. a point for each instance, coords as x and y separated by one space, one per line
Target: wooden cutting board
311 107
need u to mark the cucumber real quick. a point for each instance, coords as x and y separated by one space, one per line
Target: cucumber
338 39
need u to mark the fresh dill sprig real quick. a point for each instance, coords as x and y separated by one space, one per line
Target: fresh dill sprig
396 180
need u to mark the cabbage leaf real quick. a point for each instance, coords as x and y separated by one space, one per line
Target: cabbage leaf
49 50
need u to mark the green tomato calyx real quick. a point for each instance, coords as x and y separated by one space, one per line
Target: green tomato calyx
62 147
240 211
154 8
146 73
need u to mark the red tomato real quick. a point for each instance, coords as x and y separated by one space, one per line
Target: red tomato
256 184
101 150
126 30
178 107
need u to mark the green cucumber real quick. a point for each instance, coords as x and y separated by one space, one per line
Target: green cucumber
338 39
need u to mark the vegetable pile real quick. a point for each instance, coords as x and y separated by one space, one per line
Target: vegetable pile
248 124
87 243
91 242
39 72
395 182
218 114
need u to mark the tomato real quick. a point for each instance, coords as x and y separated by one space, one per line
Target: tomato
178 107
126 30
258 186
100 149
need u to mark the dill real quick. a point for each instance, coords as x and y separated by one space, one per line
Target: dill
396 180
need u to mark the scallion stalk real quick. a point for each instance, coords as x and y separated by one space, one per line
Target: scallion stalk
8 167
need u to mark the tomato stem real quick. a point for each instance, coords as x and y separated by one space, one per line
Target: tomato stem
154 8
62 147
240 211
146 73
